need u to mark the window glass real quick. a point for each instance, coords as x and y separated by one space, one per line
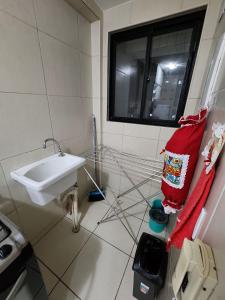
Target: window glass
150 70
169 57
130 66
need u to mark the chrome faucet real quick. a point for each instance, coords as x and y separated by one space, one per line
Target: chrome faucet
57 144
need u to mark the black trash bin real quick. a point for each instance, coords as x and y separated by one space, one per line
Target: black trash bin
150 265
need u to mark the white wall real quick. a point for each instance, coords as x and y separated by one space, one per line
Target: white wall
212 231
45 91
148 140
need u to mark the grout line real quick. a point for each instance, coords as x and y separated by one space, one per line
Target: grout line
36 294
58 277
60 281
26 152
91 234
85 98
138 233
65 43
18 19
133 136
46 266
43 70
110 244
51 228
54 286
122 278
22 93
130 257
35 27
12 200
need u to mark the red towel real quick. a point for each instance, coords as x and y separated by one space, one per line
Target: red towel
189 215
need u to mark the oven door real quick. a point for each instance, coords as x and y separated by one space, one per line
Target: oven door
23 280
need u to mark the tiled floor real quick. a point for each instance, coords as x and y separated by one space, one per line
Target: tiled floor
96 263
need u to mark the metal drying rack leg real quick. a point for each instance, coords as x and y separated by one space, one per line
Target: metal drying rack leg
119 218
107 218
128 177
130 166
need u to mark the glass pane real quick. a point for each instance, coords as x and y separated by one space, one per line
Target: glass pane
169 57
130 64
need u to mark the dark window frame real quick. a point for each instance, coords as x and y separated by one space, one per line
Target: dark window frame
193 20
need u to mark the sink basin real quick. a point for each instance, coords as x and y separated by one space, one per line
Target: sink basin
49 177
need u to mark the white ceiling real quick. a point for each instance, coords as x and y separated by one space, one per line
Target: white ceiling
105 4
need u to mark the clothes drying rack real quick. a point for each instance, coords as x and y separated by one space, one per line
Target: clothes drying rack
130 166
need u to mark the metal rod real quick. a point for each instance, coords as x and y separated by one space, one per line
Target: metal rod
130 179
125 156
131 164
131 155
131 159
133 188
121 211
110 204
121 158
131 170
131 206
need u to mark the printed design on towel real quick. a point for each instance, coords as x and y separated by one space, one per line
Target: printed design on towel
175 169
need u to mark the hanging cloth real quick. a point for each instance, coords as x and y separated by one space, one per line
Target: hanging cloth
196 201
189 216
180 158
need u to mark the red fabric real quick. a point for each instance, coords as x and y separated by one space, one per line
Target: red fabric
182 148
189 216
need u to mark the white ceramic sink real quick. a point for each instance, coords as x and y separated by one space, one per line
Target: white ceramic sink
47 178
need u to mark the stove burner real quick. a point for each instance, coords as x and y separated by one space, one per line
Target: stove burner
5 250
4 231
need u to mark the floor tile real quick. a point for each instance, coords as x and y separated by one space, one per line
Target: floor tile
97 271
49 278
58 248
146 216
137 211
31 287
126 288
145 228
41 295
91 213
61 292
115 233
110 196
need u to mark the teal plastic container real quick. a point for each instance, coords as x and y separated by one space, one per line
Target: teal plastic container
158 219
157 203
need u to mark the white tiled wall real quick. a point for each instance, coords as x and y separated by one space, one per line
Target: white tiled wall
212 230
45 91
148 140
96 72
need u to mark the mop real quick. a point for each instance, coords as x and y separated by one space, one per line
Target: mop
95 195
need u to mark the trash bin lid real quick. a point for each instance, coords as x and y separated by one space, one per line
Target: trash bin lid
158 215
151 259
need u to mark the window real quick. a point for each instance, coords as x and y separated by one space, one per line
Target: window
150 70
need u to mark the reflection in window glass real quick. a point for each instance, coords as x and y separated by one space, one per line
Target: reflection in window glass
130 65
150 70
169 58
